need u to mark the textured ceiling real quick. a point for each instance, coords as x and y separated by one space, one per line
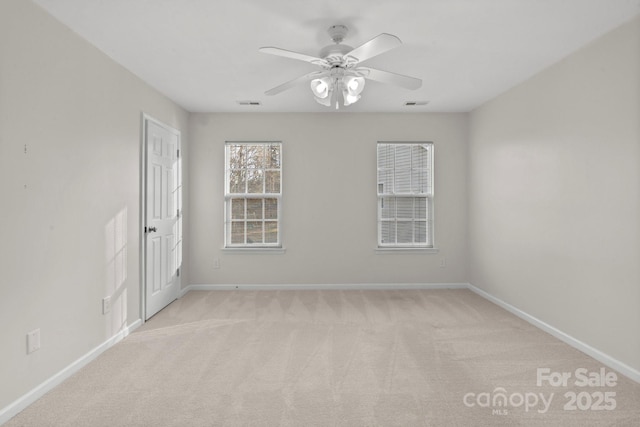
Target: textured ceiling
203 54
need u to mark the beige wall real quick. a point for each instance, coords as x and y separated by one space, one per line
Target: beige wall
329 198
70 205
554 195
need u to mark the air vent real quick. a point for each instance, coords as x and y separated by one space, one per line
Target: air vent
415 103
254 103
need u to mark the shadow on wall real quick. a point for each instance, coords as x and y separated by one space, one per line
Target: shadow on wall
115 234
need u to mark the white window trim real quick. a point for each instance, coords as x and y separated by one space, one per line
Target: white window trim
245 247
395 248
401 250
255 250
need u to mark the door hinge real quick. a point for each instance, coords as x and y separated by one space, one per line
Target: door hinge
178 272
178 153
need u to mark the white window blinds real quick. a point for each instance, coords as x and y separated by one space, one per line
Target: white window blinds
405 194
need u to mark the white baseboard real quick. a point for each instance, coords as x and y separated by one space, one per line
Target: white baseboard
302 287
14 408
604 358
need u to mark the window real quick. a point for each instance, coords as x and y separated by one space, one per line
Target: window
405 194
253 190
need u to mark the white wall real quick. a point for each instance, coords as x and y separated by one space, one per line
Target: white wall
69 220
554 186
329 198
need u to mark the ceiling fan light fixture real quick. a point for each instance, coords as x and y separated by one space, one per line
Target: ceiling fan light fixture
327 99
351 89
320 88
349 98
354 85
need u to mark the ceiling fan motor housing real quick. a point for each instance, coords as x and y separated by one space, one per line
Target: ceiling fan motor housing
336 51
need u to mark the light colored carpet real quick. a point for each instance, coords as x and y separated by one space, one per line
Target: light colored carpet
333 358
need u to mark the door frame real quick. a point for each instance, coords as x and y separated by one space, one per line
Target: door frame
142 236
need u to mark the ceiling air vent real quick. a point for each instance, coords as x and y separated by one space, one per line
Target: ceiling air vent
415 103
254 103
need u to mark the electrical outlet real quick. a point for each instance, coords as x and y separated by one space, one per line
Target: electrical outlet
216 263
33 341
106 305
443 262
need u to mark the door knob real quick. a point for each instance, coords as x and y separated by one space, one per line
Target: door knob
151 229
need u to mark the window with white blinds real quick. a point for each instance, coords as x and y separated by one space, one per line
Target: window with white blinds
405 194
253 191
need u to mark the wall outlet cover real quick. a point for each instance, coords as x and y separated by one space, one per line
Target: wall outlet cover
106 305
33 341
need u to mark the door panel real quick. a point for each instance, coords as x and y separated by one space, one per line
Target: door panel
163 237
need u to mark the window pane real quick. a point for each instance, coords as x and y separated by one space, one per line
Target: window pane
271 232
420 208
403 181
387 232
405 232
420 231
272 157
255 156
419 157
405 207
403 157
254 232
254 208
237 157
272 182
386 156
271 208
237 232
388 208
237 182
237 208
420 181
255 181
385 181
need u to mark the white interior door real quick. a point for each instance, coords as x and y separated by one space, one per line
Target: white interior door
163 226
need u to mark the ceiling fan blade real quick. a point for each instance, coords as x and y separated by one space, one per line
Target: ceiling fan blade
291 83
390 78
293 55
375 46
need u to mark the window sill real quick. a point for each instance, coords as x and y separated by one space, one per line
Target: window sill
261 250
385 250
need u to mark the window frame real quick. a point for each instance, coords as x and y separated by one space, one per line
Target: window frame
427 195
230 196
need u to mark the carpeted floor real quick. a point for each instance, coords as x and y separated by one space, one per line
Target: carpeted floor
337 358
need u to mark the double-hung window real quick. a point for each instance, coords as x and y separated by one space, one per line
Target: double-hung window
253 191
405 195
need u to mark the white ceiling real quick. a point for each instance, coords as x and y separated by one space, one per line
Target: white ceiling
203 54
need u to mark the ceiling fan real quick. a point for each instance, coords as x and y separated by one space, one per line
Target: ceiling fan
340 74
